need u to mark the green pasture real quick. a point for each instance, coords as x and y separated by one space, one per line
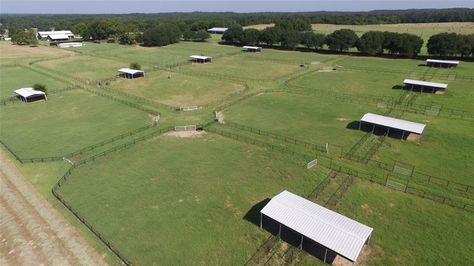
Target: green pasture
409 230
15 77
186 200
65 123
177 89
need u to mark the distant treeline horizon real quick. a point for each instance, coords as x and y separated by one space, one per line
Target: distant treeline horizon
227 19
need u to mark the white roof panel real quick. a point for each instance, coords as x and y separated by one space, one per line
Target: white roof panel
200 57
331 229
28 92
426 83
252 47
393 123
450 62
217 29
58 36
130 71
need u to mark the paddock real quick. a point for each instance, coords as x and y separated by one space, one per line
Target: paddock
425 86
200 59
253 49
332 232
131 73
441 63
409 130
28 95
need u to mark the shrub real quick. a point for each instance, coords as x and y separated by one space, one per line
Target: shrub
40 87
135 65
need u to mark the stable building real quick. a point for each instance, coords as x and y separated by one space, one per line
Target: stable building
252 49
130 73
315 227
217 30
43 35
425 86
29 95
201 59
71 44
58 38
409 130
441 63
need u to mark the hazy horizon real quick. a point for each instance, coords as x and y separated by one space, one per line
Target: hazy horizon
186 6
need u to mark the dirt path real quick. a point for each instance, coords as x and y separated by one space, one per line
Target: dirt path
32 232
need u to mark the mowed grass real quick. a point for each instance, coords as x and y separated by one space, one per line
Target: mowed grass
13 53
84 67
184 201
308 118
409 230
177 89
15 77
444 151
65 123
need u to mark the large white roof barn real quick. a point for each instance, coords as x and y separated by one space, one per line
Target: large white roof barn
200 58
30 93
217 30
441 63
420 84
46 34
395 123
252 48
328 228
131 73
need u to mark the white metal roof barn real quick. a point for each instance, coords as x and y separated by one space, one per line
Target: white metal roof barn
252 48
422 85
29 93
131 73
200 58
442 63
395 123
217 30
328 228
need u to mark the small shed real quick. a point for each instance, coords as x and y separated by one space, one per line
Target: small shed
201 59
70 44
30 94
58 37
441 63
252 48
394 123
217 30
335 232
425 86
131 73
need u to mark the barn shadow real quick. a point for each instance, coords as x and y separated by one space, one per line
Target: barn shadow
253 215
397 87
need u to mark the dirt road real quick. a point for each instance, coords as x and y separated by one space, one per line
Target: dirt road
32 232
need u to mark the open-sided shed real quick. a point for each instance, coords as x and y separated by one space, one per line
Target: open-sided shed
217 30
252 48
423 86
30 94
441 63
393 123
332 230
131 73
200 59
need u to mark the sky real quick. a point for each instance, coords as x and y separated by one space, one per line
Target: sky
161 6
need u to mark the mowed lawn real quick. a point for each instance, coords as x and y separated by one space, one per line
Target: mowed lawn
309 118
16 77
65 123
184 201
444 151
409 230
178 89
83 67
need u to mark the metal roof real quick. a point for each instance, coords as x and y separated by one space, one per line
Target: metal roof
393 123
442 61
28 92
219 29
202 57
58 36
44 34
252 47
130 71
425 83
331 229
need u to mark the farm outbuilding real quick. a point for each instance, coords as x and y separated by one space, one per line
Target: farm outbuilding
425 86
252 48
200 59
44 35
131 73
331 231
70 44
217 30
58 37
30 94
414 130
441 63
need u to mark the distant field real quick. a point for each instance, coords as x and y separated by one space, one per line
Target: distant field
13 53
169 195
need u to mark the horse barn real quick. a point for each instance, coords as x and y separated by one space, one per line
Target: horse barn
423 86
44 35
201 59
441 63
217 30
131 73
318 230
252 49
414 130
30 94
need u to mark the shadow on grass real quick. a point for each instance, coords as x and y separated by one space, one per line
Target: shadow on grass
397 87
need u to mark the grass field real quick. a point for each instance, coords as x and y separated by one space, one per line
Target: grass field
169 200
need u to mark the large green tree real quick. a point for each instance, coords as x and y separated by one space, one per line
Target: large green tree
250 37
161 35
24 37
233 34
371 43
444 44
312 40
341 40
270 36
